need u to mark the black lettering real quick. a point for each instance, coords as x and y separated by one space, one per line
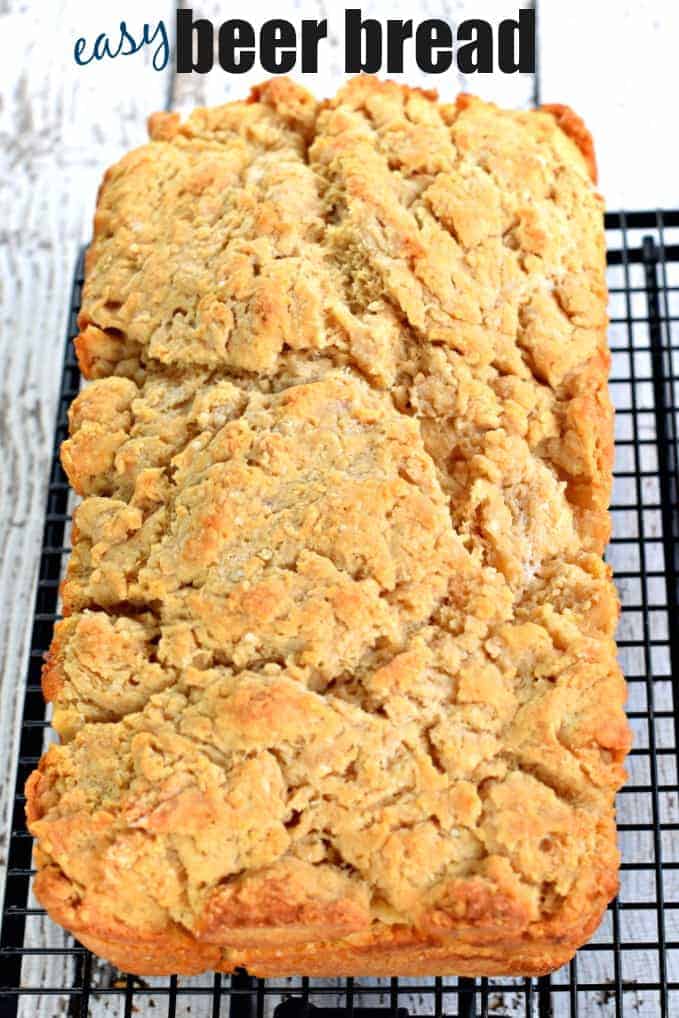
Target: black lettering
273 37
237 46
397 33
354 31
203 32
477 55
434 46
312 33
508 32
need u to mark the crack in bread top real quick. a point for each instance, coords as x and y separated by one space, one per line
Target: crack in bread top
449 253
256 545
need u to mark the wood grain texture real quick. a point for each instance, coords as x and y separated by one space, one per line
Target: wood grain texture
60 126
616 64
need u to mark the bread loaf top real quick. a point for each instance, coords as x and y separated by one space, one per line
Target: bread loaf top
338 658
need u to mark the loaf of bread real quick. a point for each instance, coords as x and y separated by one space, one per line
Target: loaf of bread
336 683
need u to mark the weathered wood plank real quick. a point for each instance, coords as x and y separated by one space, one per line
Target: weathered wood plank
60 126
617 66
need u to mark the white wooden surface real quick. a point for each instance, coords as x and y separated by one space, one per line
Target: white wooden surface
61 125
616 63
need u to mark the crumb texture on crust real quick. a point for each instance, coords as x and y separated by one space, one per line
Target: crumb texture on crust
336 680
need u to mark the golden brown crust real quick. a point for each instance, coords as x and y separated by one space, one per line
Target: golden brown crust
375 952
575 127
337 680
52 680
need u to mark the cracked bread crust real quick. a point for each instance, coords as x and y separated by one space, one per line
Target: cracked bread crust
336 680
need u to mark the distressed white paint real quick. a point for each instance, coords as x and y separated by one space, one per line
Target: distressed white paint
60 126
615 62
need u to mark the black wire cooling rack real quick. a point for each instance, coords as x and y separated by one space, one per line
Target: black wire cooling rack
631 967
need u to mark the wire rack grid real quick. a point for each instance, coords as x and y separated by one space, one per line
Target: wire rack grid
631 966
